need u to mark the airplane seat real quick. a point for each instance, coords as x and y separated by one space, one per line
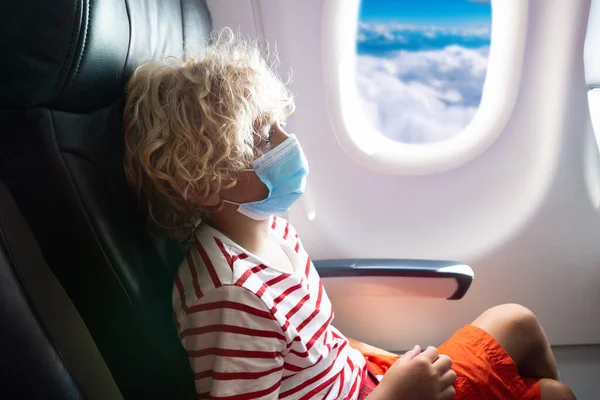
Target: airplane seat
47 352
28 354
64 67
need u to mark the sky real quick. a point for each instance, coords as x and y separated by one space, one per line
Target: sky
421 65
430 12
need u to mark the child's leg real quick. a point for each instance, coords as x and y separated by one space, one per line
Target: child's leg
518 331
555 390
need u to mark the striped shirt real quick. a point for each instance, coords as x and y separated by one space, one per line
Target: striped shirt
254 332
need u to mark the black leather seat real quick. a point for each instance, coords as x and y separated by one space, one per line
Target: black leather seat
64 66
31 367
47 351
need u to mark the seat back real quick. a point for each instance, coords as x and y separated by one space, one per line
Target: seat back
64 67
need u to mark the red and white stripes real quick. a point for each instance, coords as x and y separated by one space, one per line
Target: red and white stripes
254 332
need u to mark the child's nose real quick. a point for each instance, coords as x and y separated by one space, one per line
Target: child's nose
278 135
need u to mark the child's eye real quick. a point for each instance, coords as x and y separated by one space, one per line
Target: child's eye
267 138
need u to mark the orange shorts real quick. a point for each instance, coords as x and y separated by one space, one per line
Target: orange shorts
484 370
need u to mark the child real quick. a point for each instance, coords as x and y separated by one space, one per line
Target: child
205 143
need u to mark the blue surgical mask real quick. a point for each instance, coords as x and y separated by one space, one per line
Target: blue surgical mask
283 170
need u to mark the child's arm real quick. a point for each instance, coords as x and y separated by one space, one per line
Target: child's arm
234 344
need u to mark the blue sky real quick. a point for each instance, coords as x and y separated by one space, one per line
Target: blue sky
416 25
427 12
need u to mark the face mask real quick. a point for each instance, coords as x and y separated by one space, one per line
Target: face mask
283 170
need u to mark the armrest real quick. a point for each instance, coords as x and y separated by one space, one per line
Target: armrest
451 278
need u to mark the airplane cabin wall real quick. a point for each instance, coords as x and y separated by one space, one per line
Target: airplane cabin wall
523 214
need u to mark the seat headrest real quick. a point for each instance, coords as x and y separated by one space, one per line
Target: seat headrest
76 55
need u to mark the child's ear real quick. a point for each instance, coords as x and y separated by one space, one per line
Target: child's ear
213 199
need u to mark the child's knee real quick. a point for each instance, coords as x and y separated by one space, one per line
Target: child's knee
523 319
551 389
514 317
515 327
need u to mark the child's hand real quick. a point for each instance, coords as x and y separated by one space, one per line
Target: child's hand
418 376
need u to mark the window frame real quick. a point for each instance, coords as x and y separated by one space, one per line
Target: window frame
368 147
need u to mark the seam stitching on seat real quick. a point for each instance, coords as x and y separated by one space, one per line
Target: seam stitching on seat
128 11
72 42
85 38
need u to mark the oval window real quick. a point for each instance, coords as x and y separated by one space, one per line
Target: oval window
420 86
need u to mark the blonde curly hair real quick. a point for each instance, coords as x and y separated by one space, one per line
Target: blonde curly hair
191 126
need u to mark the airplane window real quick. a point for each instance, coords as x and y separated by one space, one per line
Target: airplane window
421 65
421 86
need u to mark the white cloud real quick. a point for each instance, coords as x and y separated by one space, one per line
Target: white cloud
388 32
422 96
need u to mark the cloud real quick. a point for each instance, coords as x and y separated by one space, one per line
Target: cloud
422 96
481 30
385 37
